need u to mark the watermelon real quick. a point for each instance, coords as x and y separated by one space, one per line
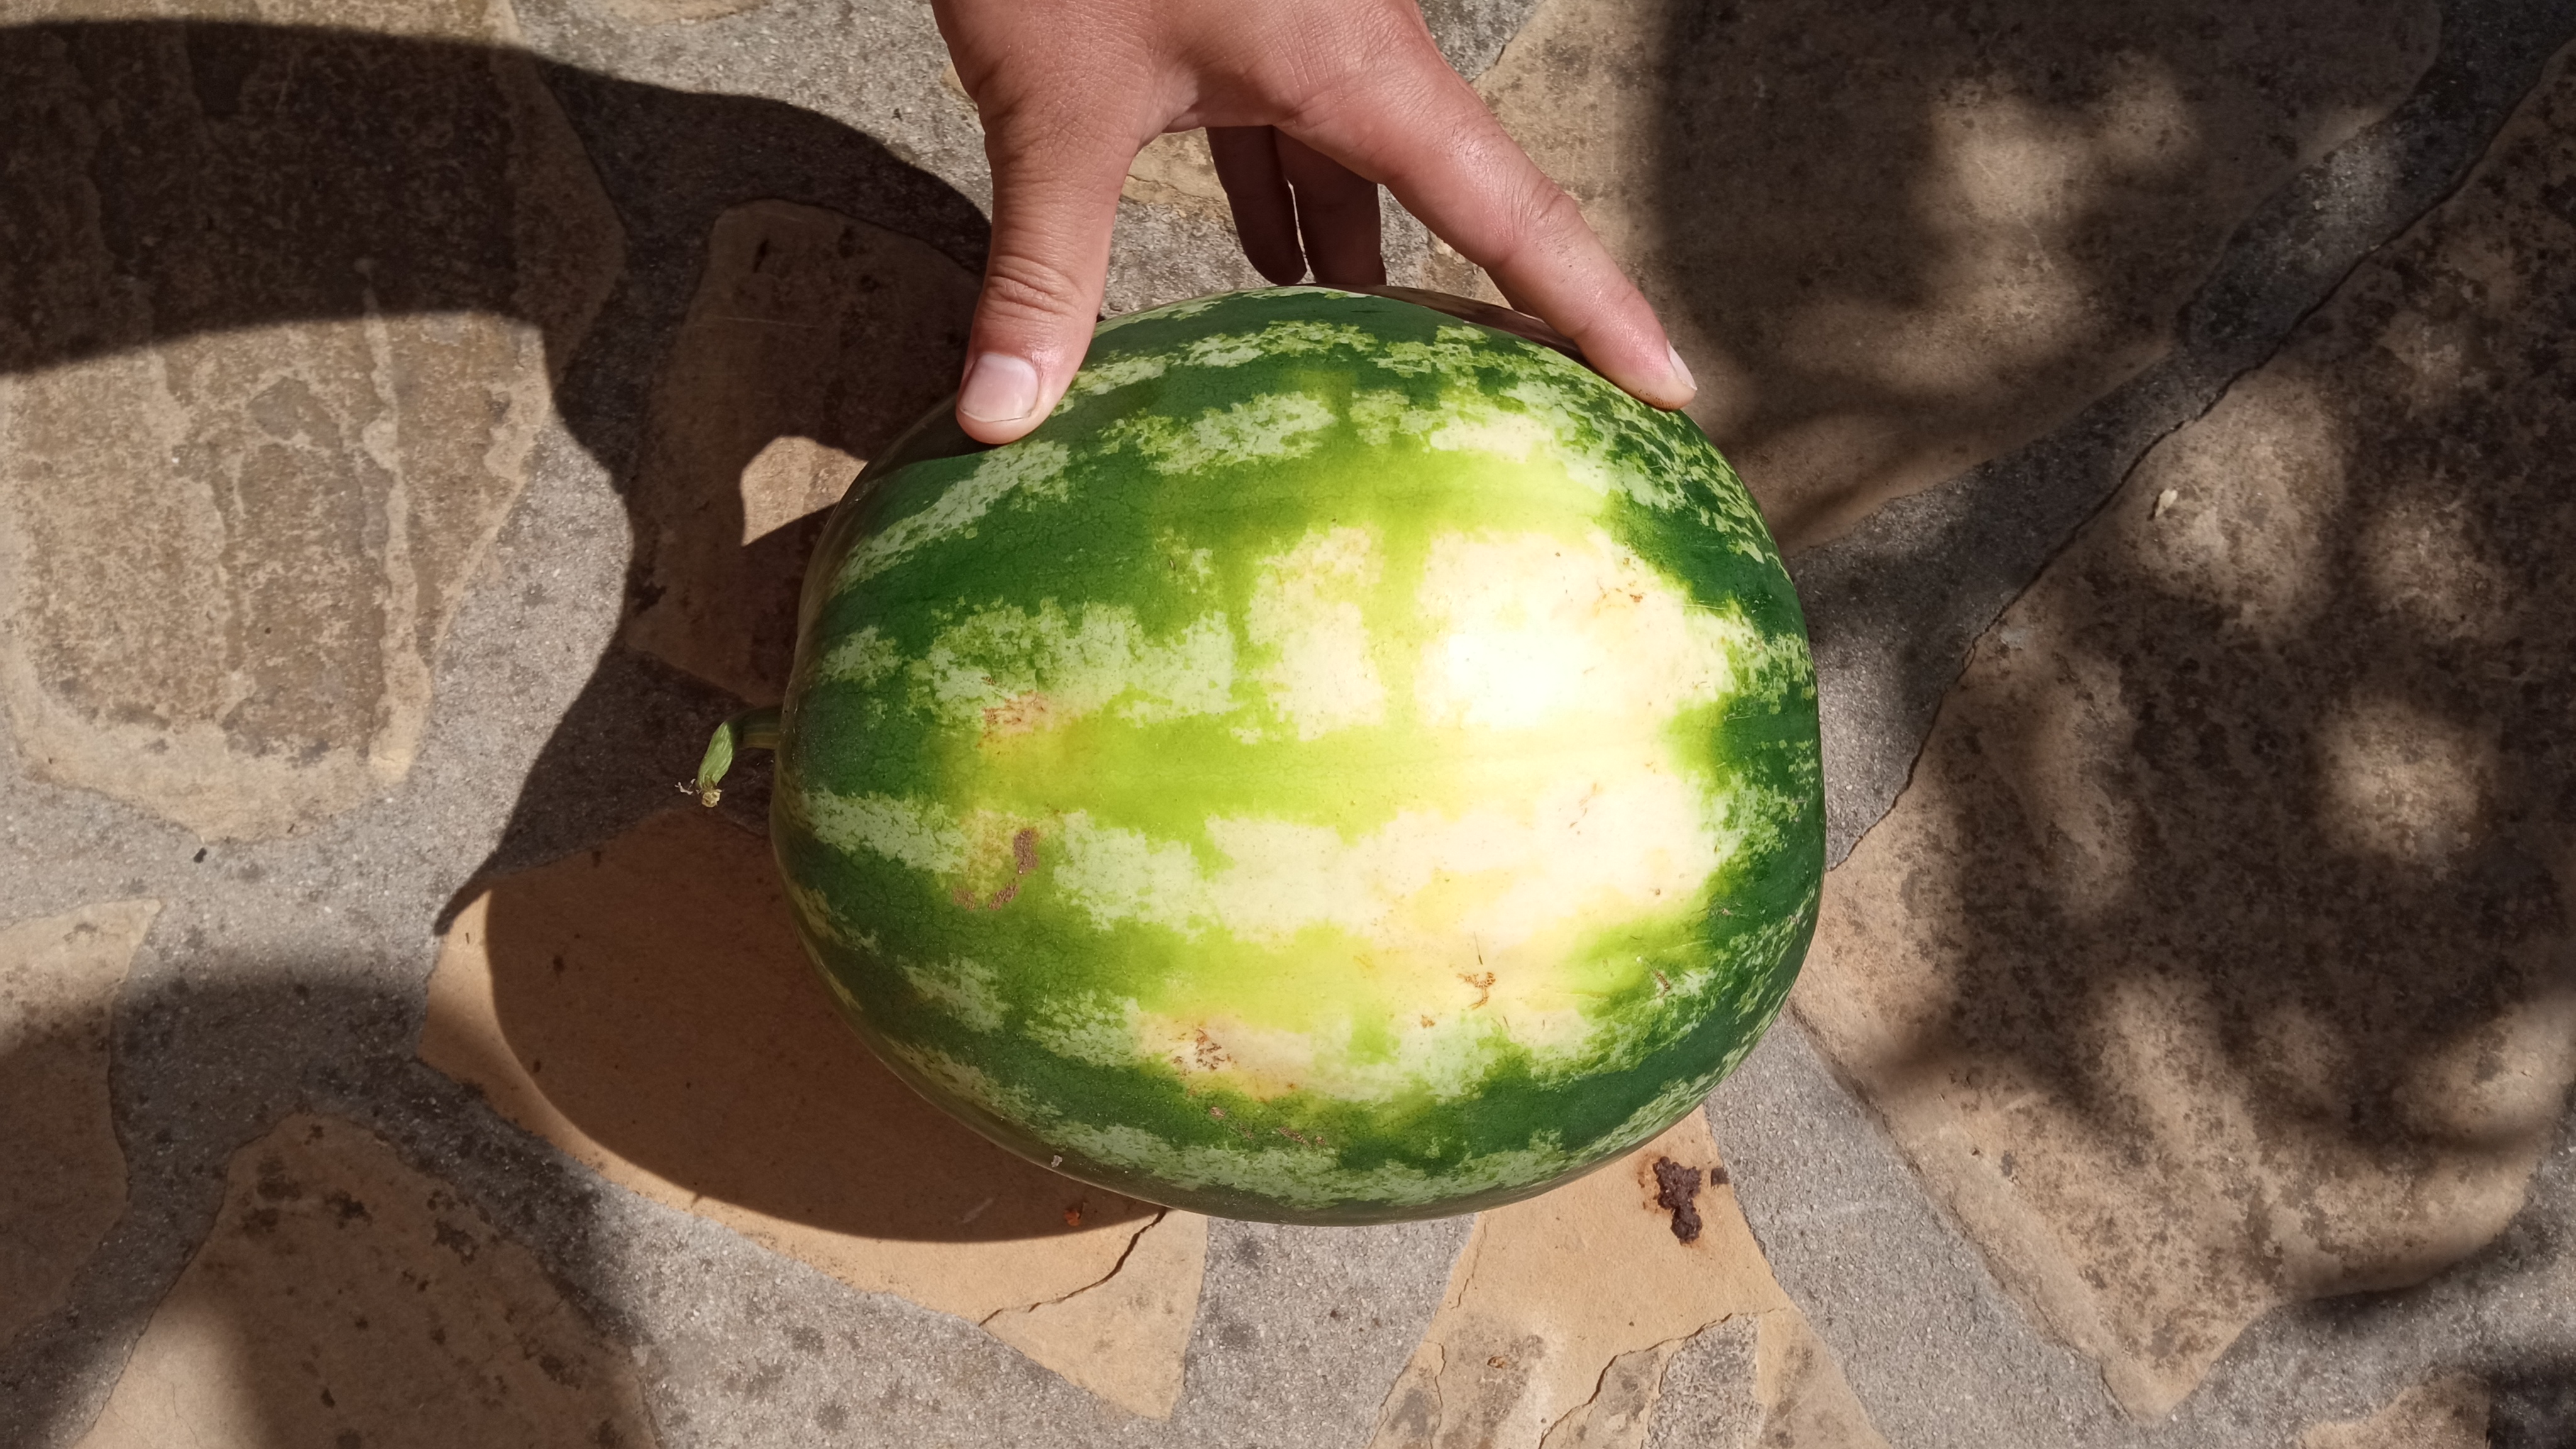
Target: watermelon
1347 764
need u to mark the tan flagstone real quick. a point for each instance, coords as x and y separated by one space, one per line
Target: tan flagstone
62 1174
1176 169
1806 1402
1567 1314
345 1297
2218 955
812 341
1894 242
2447 1411
646 1007
1123 1337
262 427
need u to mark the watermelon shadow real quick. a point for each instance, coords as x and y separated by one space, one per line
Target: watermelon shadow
647 1006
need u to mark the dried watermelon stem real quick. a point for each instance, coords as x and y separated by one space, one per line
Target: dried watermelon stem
753 729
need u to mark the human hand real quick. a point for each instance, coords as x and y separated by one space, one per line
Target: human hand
1309 106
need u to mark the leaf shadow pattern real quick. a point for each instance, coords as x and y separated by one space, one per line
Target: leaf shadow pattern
1913 238
2219 955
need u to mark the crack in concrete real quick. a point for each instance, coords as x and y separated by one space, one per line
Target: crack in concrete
1895 605
1664 1350
1123 1255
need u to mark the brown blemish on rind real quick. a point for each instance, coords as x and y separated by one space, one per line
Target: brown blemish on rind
1024 860
1205 1054
1019 715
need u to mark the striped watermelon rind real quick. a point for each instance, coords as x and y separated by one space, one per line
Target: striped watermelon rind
1190 795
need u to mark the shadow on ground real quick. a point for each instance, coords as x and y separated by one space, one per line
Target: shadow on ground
283 303
2220 953
1907 239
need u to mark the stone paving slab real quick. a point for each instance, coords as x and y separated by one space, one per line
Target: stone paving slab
2218 955
62 1174
345 1298
464 325
1896 244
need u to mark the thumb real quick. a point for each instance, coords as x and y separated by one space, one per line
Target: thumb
1055 196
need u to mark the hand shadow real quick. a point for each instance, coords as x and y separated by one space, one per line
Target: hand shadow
736 303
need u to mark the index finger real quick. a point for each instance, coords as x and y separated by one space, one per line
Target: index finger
1415 126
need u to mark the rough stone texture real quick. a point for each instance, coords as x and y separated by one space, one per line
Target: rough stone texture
1805 1399
1569 1316
1549 1292
674 12
226 562
2219 954
2448 1412
346 1298
1895 605
646 1007
1897 241
62 1175
812 341
1122 1337
1712 1376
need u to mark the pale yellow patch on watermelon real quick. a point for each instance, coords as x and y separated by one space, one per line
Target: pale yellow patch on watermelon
1451 926
1557 665
1536 630
1306 624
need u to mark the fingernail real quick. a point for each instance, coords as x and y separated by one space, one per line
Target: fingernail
1681 369
999 388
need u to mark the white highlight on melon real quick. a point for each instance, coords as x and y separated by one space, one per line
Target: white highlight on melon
1306 624
1058 666
1614 833
1534 630
1032 468
1559 663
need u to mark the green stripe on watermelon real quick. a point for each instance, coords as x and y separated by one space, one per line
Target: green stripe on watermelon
1347 764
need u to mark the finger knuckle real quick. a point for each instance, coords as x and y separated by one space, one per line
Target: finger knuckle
1021 288
1534 218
